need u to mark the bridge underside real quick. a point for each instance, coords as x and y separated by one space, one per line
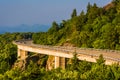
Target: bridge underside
58 61
60 53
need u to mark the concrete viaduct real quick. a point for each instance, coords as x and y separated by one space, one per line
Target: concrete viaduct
61 52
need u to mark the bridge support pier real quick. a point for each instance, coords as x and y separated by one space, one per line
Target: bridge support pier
22 54
59 62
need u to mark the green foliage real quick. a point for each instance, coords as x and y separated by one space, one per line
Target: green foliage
54 28
82 70
101 60
8 51
75 63
97 28
74 13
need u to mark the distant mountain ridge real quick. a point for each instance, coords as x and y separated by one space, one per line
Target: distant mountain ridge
24 28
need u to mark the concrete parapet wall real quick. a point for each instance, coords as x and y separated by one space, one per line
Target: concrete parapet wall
61 53
86 57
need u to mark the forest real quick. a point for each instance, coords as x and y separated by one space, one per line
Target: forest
98 27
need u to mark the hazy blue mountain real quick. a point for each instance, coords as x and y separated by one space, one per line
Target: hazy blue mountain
24 28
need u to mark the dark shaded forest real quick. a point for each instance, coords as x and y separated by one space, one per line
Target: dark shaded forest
96 28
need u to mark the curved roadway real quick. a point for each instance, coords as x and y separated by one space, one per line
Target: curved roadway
107 54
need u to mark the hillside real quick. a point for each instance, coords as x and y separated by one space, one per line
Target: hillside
109 6
97 28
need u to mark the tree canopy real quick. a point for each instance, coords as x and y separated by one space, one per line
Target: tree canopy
95 28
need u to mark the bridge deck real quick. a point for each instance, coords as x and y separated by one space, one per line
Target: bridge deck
107 54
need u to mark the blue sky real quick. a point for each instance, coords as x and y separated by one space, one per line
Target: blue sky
16 12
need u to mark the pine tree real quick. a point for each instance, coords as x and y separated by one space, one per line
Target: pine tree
100 60
74 13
